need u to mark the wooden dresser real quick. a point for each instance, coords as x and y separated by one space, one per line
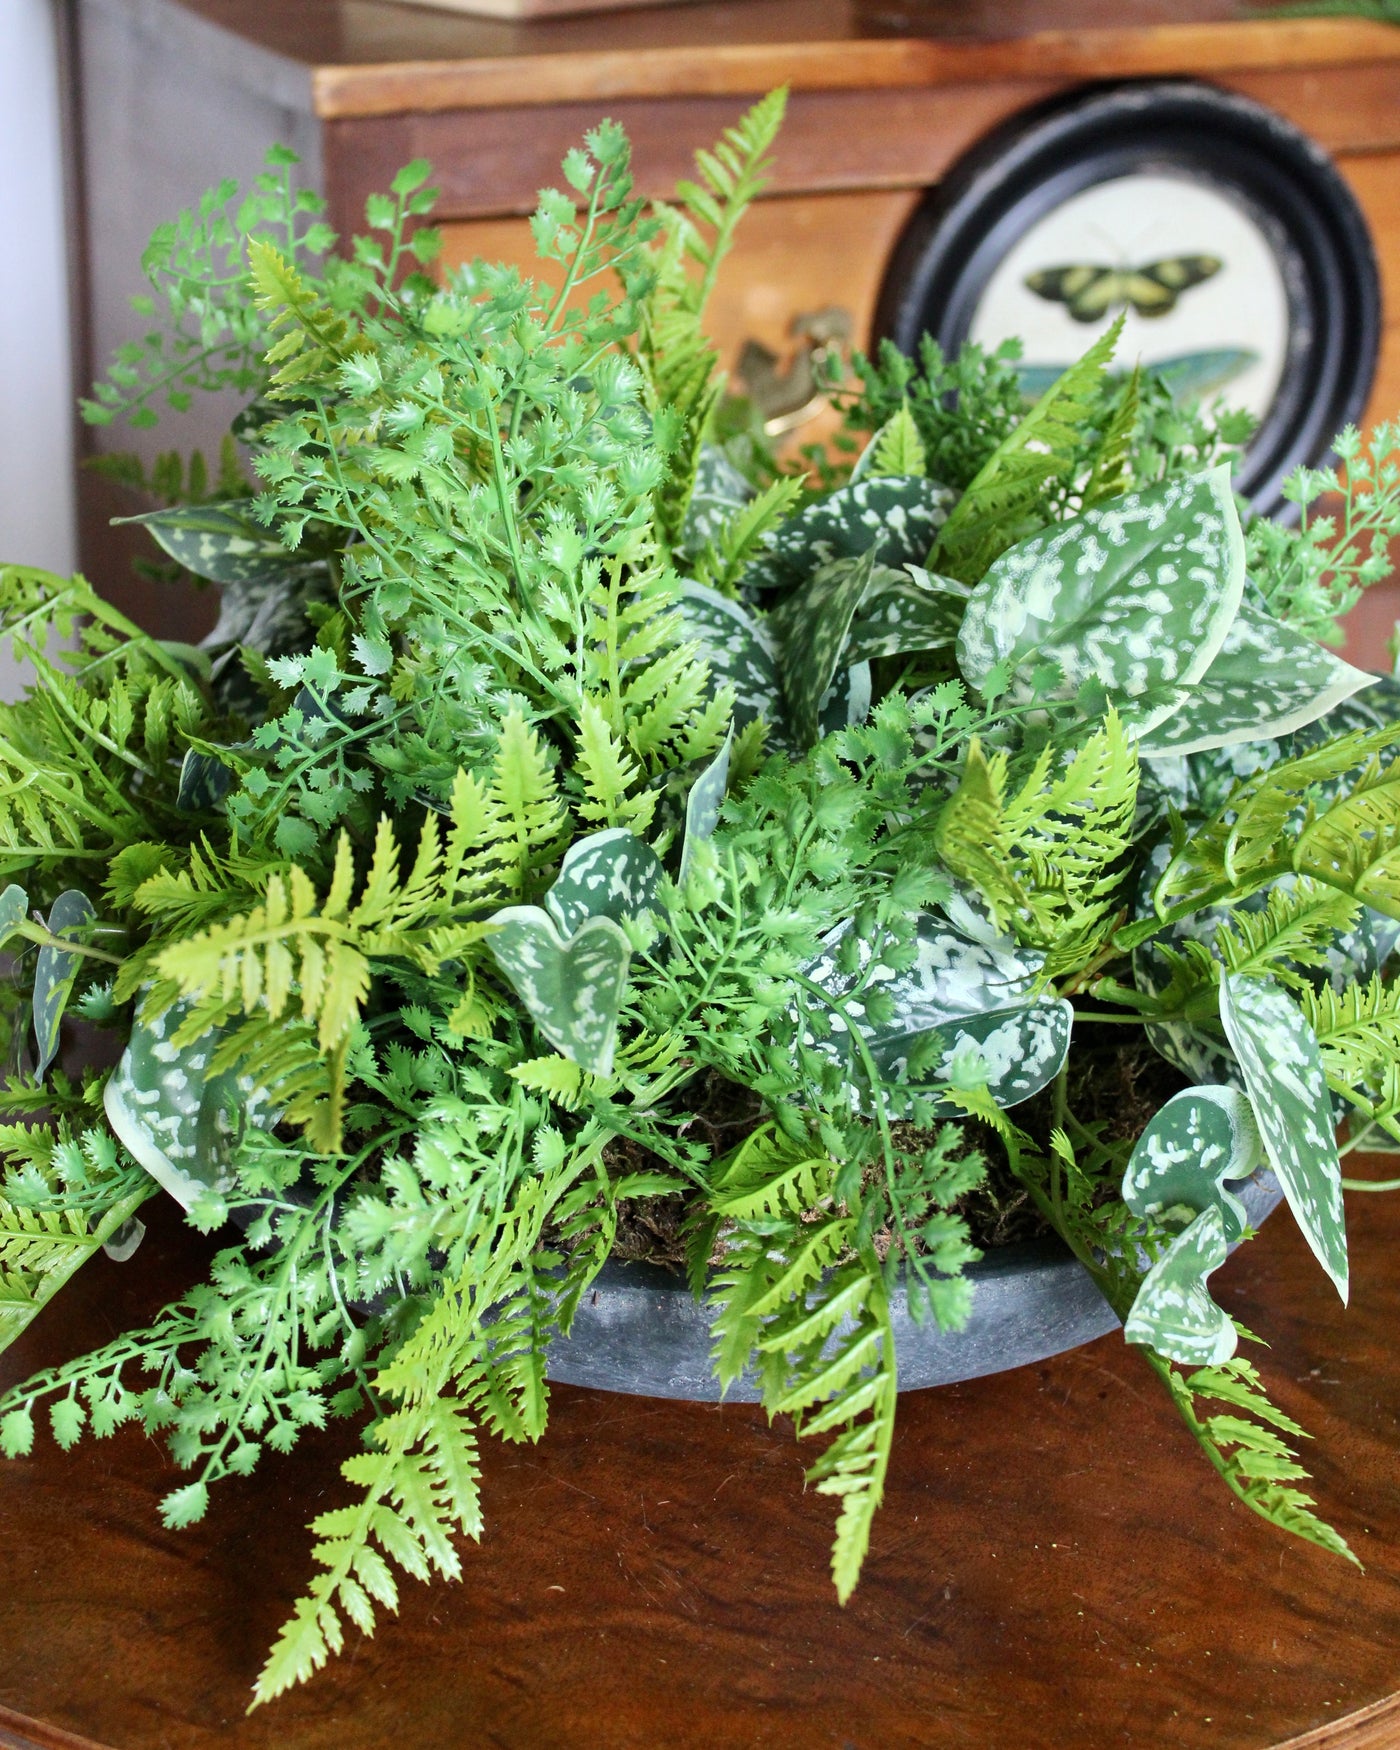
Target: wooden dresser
886 95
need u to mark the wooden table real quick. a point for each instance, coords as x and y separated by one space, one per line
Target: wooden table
1054 1566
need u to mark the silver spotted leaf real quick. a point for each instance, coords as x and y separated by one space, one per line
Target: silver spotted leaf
1173 1312
810 629
571 986
181 1124
1282 1066
719 493
1202 1140
1134 597
846 701
609 874
1266 681
55 971
896 517
904 611
741 653
703 804
967 1011
205 780
222 542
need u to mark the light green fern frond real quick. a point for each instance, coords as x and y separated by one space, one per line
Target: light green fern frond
1004 501
1358 1031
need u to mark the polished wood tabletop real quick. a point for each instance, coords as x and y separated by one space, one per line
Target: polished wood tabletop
1054 1565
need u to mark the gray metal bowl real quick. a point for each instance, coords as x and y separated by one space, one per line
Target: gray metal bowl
640 1330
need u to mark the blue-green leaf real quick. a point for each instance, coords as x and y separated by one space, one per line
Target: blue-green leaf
572 988
204 782
1201 1140
1282 1066
609 874
55 971
1266 681
1173 1312
180 1124
1134 597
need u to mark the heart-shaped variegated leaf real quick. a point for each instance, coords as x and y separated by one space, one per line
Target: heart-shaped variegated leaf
222 542
810 628
703 804
1282 1067
967 1011
610 874
1134 597
55 971
906 611
1266 681
897 518
741 653
1173 1312
572 987
1200 1141
182 1125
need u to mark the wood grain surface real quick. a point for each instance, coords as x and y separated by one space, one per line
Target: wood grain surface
1054 1565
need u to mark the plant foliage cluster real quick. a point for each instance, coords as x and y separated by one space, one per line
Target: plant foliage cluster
545 770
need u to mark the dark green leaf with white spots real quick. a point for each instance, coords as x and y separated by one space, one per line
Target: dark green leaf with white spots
1266 681
720 492
906 611
219 541
1282 1067
810 628
740 650
1135 597
610 874
1173 1312
14 910
572 987
55 972
897 518
182 1125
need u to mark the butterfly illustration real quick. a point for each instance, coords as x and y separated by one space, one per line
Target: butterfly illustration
1089 293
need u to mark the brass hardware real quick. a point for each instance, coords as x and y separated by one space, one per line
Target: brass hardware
789 399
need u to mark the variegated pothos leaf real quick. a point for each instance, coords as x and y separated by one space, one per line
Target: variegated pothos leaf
54 973
897 518
609 874
1135 596
1282 1066
571 987
1200 1141
1173 1312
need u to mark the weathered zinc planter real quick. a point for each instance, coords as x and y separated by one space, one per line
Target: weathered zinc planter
640 1330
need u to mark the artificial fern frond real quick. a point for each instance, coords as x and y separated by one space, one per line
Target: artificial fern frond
724 560
1358 1032
897 449
1244 1444
1047 859
1003 502
315 340
1112 469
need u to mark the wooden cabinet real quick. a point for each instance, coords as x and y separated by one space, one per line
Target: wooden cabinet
885 97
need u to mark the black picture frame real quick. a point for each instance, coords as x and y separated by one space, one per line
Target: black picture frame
1288 185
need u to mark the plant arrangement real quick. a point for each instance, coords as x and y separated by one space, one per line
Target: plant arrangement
562 766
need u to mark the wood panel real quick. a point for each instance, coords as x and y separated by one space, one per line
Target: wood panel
493 162
726 67
1055 1564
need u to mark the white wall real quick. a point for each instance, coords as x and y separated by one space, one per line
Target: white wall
37 519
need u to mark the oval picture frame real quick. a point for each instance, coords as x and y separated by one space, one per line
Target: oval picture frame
1229 240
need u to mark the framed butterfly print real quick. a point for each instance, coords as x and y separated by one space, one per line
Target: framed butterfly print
1227 240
